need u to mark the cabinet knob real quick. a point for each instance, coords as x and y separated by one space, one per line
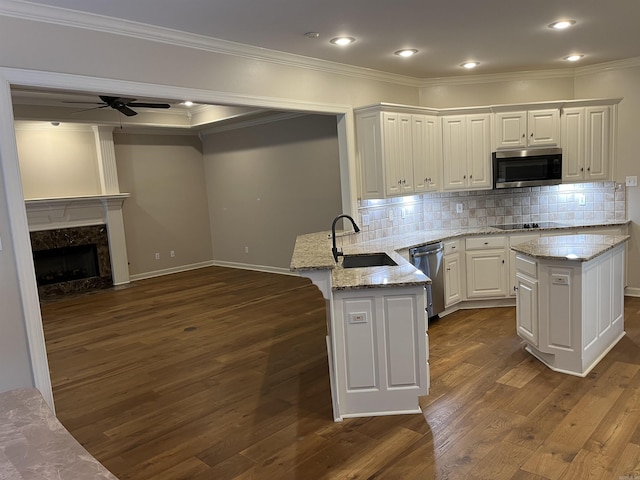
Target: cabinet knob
588 169
464 177
582 169
531 134
470 177
453 248
523 135
448 269
503 262
515 289
486 243
399 182
404 181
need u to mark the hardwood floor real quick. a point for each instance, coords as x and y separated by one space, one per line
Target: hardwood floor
222 374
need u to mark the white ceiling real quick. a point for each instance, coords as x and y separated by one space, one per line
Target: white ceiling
503 35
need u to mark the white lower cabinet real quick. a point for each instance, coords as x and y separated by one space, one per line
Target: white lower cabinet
571 313
452 273
381 350
516 239
485 263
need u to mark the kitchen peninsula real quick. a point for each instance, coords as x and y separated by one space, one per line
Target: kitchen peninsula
570 299
376 323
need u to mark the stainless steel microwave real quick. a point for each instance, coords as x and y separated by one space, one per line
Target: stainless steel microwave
527 168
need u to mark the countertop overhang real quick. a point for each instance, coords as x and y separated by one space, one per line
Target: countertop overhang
577 248
313 252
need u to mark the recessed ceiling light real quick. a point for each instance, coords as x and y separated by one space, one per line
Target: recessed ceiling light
55 124
562 24
470 64
188 103
406 52
342 41
573 58
312 34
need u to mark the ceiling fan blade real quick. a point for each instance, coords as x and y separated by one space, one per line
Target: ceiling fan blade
85 103
124 109
149 105
88 109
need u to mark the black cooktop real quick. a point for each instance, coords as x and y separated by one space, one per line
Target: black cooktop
525 226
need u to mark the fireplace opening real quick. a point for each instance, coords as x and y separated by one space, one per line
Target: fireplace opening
65 264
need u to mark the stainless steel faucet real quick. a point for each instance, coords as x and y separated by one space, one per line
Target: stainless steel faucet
338 253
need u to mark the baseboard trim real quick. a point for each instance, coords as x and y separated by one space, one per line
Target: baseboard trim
257 268
169 271
632 292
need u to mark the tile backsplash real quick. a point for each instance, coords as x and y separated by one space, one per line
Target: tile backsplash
588 202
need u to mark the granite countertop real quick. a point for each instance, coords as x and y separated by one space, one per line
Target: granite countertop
313 252
34 444
579 248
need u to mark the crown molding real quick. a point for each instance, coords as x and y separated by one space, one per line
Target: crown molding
71 18
608 66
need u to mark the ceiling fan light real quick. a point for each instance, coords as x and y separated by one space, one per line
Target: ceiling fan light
342 41
406 52
562 24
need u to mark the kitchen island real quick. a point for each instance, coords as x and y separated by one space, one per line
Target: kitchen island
376 324
570 299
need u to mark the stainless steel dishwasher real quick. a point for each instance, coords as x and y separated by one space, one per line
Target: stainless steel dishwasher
428 259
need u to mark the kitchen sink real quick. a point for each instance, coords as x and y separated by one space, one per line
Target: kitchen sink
368 260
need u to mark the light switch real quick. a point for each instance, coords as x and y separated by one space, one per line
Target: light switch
365 220
632 181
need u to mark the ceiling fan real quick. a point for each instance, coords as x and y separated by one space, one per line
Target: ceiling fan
123 105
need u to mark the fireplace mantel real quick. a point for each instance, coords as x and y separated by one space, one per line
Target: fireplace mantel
83 211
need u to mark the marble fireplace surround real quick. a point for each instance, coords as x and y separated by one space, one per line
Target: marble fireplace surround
86 211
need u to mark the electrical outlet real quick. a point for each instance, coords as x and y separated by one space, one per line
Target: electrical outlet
157 255
365 220
358 317
582 201
403 212
390 215
172 253
246 249
632 181
458 208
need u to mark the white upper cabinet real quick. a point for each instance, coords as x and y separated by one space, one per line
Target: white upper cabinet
527 128
399 153
466 152
587 148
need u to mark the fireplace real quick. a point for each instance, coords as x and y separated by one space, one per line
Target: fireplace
71 260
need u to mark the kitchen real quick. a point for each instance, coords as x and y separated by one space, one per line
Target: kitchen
587 83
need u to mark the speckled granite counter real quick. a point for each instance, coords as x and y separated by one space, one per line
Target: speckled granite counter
313 252
581 248
35 445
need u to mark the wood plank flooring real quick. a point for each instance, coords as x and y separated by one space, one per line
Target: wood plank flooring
222 374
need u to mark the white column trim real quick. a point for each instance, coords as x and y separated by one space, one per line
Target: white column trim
106 159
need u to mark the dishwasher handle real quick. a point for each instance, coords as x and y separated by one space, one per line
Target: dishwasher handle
427 253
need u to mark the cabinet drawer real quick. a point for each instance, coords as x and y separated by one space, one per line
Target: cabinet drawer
526 266
479 243
452 246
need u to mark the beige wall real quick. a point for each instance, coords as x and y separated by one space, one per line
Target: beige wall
452 93
269 183
623 82
168 208
57 161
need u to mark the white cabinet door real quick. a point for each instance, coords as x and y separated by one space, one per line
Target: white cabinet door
427 152
527 309
586 143
479 151
573 144
452 280
466 152
597 151
454 152
543 127
511 129
396 130
516 240
533 128
370 155
486 273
